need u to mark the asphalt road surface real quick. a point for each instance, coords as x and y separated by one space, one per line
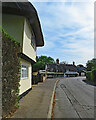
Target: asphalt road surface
74 99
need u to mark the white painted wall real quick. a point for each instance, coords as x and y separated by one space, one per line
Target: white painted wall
27 46
19 28
25 84
14 25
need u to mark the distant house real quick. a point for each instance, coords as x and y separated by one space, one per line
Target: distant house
56 67
21 21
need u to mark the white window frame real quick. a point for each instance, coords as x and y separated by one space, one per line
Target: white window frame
24 67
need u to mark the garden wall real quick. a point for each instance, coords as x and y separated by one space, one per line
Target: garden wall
10 74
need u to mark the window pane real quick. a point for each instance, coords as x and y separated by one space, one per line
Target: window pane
24 71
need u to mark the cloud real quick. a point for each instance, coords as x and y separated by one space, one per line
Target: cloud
62 1
68 30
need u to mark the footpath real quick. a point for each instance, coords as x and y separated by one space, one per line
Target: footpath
38 102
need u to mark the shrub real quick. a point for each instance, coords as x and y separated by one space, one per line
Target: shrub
72 74
94 75
89 75
54 73
10 74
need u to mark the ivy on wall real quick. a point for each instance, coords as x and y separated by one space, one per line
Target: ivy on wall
10 74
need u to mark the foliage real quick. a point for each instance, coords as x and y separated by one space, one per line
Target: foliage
72 74
39 66
10 74
35 79
54 73
41 62
80 65
91 64
94 75
8 36
91 75
45 59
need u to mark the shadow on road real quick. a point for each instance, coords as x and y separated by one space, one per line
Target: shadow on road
89 82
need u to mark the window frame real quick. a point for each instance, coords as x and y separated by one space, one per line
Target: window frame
26 75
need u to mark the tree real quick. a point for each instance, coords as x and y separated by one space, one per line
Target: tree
45 59
80 65
41 62
91 64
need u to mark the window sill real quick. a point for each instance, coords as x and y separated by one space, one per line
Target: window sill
24 78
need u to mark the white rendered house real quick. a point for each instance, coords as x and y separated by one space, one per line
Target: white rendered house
21 21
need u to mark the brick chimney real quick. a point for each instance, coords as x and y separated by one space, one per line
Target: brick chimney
73 63
57 61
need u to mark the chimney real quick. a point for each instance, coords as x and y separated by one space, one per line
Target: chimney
73 63
57 61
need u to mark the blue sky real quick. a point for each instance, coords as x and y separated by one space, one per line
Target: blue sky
68 30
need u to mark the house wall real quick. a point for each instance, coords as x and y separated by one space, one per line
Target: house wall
19 28
27 46
25 84
13 25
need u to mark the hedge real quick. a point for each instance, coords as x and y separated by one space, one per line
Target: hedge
35 79
72 74
58 74
10 74
94 75
91 75
54 73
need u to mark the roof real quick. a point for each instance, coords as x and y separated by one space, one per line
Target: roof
27 10
53 67
81 69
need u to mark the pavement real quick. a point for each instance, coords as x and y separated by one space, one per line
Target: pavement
36 104
74 99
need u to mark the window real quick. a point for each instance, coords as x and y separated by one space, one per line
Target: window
33 41
24 72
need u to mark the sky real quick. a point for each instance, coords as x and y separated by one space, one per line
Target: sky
68 30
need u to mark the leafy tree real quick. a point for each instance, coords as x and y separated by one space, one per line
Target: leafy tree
80 65
91 64
41 62
45 59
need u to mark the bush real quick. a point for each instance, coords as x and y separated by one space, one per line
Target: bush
54 73
35 79
72 74
94 75
91 75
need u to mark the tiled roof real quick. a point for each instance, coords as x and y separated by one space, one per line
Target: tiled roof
53 67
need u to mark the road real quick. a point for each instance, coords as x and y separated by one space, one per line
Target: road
74 99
